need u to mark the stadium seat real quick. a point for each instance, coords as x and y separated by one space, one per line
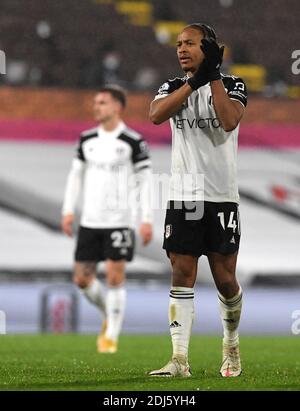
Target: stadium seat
139 12
254 75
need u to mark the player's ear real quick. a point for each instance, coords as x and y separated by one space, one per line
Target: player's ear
120 107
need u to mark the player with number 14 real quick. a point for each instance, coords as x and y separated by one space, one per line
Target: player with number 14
205 108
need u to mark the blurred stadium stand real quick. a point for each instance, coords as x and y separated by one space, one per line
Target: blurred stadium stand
38 131
32 183
83 44
67 49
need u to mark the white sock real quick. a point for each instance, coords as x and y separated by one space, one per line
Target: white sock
95 294
181 316
115 308
230 310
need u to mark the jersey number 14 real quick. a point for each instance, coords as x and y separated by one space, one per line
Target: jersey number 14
232 223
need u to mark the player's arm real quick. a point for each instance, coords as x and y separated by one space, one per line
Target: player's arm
229 112
72 191
143 173
171 98
163 108
145 192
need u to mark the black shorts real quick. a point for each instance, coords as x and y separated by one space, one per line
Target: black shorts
217 230
98 244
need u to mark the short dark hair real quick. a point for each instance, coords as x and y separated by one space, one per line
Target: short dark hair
117 92
206 30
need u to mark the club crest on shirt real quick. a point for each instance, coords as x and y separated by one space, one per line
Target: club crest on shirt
164 87
168 230
120 151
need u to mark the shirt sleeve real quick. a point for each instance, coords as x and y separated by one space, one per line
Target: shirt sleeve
79 150
73 186
140 155
143 178
144 187
237 90
163 91
169 86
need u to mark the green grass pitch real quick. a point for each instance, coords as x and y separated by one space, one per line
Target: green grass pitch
70 362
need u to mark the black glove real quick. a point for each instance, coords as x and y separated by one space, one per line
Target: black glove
200 77
213 58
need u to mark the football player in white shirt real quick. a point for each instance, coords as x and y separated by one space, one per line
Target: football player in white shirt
107 158
205 108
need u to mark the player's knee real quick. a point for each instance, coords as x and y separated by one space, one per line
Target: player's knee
227 287
181 267
81 281
183 276
182 272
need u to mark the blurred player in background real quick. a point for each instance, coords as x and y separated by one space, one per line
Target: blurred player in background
104 156
205 108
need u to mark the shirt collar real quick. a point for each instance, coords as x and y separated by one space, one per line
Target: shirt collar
113 133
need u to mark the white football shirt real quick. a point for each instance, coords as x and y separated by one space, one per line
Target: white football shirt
105 169
204 156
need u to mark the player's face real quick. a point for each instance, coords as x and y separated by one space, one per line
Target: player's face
105 107
189 54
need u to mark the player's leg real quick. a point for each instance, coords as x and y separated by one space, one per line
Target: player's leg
181 304
181 313
222 242
115 302
87 254
182 242
85 278
223 268
118 248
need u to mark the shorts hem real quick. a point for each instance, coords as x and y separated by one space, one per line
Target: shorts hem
193 254
184 252
99 260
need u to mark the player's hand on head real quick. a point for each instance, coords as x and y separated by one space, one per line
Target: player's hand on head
67 224
200 77
213 57
146 233
209 69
